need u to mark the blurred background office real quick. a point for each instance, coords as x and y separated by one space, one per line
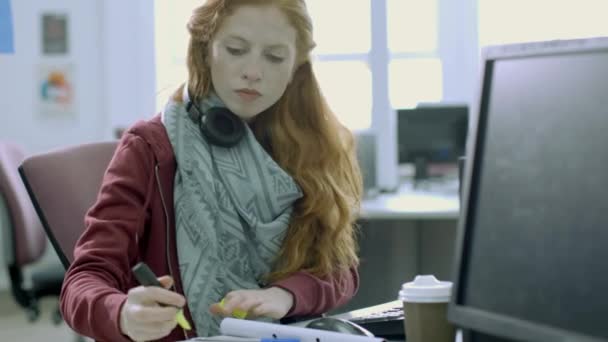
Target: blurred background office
82 71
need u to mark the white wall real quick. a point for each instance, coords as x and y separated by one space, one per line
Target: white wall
20 121
111 48
128 58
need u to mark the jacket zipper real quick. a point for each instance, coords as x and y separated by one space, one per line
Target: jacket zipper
167 236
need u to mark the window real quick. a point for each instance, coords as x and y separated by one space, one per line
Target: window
414 80
540 20
415 70
340 34
412 25
344 45
171 39
347 88
340 58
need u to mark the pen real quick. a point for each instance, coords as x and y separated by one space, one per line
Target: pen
146 277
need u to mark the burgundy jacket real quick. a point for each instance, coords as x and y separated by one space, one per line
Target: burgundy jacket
133 220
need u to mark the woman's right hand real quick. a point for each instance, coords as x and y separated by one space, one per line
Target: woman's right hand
141 316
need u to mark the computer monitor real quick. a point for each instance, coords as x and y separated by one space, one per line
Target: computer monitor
431 134
532 246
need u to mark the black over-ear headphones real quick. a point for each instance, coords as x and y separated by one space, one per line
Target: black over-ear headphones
219 125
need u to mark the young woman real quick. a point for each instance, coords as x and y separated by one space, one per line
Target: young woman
244 189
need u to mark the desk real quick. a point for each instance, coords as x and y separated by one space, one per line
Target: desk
403 234
408 203
376 308
357 313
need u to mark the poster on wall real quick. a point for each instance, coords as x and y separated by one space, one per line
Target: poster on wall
56 91
54 34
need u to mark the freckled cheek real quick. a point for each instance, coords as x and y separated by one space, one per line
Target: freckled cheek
225 68
276 86
278 76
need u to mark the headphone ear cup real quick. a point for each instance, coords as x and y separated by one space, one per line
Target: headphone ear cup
222 127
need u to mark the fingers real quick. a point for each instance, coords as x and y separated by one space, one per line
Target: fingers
147 323
272 302
152 314
247 304
243 300
149 295
149 312
151 332
266 310
238 304
166 281
216 309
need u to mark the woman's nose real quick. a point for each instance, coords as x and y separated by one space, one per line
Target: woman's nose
252 72
251 76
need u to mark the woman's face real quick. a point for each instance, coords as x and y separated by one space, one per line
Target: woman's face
252 57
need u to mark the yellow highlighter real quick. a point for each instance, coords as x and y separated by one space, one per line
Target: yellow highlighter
146 277
182 321
236 313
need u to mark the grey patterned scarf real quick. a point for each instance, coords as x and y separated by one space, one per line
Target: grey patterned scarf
232 208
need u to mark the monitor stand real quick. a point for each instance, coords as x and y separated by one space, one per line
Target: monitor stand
421 169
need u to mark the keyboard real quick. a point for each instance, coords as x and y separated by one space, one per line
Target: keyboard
384 320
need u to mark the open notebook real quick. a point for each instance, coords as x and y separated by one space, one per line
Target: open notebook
241 330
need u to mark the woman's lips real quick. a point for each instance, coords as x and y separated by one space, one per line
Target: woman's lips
248 94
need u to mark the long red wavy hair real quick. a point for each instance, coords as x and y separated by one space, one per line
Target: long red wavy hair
305 138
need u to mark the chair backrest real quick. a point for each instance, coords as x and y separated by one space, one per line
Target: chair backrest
63 185
24 235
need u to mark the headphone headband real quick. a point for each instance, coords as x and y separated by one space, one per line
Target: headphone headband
219 125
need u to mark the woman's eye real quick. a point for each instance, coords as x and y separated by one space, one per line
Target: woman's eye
235 51
275 59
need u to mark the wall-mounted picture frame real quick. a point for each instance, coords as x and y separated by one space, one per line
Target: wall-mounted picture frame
55 34
56 91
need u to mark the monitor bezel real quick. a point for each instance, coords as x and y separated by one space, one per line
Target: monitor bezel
465 316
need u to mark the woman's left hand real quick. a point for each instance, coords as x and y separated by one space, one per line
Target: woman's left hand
273 302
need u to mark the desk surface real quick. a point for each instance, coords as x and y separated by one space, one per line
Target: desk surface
381 307
433 202
375 308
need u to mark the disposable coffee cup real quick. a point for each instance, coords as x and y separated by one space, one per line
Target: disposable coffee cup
425 306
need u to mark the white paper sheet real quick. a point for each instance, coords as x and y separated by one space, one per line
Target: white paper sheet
246 328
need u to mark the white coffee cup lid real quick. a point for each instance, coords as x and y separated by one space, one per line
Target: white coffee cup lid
426 289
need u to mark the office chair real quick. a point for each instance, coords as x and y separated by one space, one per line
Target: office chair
63 185
24 239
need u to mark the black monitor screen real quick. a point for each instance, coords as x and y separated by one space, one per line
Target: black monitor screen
435 133
536 244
